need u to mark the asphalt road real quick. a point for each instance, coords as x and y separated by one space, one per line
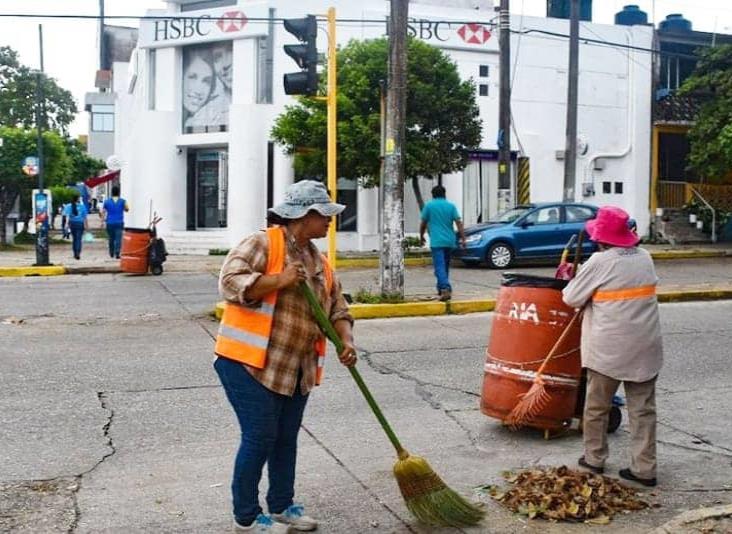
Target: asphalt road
113 420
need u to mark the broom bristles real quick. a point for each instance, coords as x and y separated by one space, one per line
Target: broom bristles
530 404
429 499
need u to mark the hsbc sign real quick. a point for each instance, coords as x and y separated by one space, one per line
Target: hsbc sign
196 27
478 36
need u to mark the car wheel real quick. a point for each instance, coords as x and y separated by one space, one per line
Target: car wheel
500 256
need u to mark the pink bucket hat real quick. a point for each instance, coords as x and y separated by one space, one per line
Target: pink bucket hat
610 226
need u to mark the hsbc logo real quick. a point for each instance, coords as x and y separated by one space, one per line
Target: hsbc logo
474 33
232 21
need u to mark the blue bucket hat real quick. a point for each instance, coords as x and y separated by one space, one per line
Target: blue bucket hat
303 196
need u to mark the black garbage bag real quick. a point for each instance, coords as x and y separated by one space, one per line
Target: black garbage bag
530 280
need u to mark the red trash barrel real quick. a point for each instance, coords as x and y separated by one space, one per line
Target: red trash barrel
529 318
134 253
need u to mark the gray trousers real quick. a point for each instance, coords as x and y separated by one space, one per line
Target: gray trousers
641 403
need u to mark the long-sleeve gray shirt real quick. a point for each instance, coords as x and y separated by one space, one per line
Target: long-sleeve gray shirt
621 331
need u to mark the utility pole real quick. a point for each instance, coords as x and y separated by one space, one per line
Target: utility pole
332 144
41 199
570 148
102 43
392 252
504 97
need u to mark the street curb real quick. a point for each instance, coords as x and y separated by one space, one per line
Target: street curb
693 516
52 270
351 263
688 254
458 307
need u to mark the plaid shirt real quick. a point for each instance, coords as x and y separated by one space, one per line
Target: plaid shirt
294 329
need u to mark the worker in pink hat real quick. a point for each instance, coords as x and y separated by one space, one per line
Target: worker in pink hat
621 341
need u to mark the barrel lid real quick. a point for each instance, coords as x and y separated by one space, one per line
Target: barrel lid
138 230
530 280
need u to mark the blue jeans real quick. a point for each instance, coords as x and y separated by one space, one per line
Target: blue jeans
77 233
114 232
269 423
441 264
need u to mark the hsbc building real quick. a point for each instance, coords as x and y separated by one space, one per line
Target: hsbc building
198 98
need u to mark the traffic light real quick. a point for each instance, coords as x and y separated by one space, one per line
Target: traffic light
305 55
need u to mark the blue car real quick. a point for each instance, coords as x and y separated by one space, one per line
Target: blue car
526 232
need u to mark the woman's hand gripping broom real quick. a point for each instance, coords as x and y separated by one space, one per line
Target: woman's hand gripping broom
532 402
427 497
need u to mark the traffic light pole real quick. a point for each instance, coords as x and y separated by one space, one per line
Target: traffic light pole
332 169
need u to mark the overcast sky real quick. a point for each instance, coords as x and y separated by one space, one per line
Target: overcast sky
71 48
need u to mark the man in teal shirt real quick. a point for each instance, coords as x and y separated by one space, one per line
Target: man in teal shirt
438 216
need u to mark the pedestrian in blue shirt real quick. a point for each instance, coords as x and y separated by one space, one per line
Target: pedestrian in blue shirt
438 217
113 215
76 213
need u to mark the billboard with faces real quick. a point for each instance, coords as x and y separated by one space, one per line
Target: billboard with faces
206 87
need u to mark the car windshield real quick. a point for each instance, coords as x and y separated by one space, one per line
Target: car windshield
511 215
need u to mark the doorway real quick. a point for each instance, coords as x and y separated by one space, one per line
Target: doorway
207 191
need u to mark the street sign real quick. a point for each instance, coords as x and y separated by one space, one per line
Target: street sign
30 166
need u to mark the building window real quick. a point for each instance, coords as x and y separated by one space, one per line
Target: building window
483 89
607 188
483 71
618 188
151 76
347 194
206 4
102 118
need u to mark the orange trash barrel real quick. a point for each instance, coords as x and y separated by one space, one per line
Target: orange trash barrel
529 318
134 253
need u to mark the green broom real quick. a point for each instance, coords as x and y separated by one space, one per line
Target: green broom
427 497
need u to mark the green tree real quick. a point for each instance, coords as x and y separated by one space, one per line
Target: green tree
17 96
711 135
17 145
82 164
443 121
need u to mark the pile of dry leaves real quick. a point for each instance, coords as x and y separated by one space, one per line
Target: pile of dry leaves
562 494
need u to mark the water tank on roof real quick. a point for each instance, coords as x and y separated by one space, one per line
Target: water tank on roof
559 9
675 23
631 16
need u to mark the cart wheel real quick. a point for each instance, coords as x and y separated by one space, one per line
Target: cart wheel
157 270
616 417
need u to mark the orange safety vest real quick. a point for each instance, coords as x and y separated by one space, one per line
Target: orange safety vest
244 331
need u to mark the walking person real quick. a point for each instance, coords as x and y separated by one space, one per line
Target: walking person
621 341
438 217
76 224
113 215
270 350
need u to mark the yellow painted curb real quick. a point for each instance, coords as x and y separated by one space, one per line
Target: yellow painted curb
403 309
694 294
351 263
52 270
686 254
471 306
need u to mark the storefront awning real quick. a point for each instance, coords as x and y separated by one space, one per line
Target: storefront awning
96 180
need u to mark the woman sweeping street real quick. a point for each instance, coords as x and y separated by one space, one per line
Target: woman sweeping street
621 341
271 351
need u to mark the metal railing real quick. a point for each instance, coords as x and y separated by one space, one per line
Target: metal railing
708 206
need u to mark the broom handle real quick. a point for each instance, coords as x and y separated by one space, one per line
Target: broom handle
559 342
578 252
331 333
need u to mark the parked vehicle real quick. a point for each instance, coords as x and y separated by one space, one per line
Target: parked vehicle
526 232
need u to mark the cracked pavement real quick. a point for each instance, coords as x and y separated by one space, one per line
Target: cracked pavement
113 419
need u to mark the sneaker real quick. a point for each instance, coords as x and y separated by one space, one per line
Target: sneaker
263 523
296 518
445 295
627 474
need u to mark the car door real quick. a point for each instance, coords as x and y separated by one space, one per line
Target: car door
575 217
539 233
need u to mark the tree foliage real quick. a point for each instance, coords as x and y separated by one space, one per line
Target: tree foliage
82 164
17 145
711 135
17 96
442 116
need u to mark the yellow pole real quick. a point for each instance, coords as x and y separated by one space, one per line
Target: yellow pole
332 92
